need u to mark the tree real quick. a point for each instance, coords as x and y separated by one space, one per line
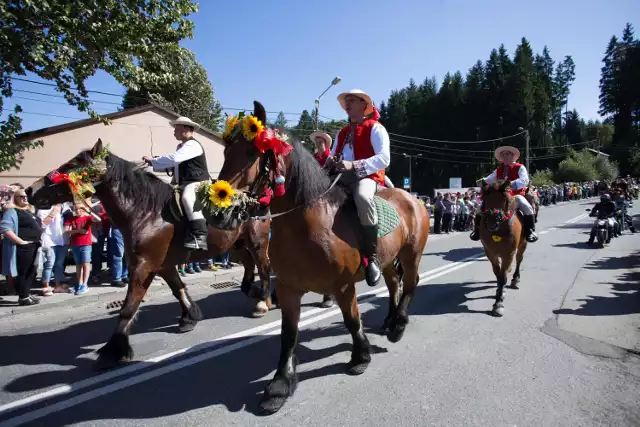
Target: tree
281 121
542 178
188 91
67 42
304 128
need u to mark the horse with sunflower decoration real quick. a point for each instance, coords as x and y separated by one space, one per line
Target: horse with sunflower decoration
315 244
502 237
147 212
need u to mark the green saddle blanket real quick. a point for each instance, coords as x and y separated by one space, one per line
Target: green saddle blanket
388 218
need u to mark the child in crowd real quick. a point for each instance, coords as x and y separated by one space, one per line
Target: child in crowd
78 229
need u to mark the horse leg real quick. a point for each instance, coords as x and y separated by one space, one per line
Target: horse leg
285 380
191 313
118 349
501 275
392 280
519 256
361 353
410 261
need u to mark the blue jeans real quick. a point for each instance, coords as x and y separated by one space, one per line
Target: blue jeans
96 255
117 261
81 254
53 261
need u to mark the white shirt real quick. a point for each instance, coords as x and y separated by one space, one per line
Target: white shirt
381 146
521 182
186 151
52 234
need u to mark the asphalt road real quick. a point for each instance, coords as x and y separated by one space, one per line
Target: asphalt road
564 354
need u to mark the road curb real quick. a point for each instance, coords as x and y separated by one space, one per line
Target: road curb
208 278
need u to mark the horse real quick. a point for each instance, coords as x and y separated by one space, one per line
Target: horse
502 237
314 247
534 201
147 212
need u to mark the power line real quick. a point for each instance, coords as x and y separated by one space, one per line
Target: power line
458 142
441 160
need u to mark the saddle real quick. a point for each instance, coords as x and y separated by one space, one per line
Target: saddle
388 218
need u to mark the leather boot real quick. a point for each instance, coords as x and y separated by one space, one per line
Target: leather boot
370 251
592 236
475 234
196 236
529 228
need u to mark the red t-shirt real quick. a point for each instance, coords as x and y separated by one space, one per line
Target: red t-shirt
77 223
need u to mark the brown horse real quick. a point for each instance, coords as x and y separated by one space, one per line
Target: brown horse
502 236
143 207
532 197
314 248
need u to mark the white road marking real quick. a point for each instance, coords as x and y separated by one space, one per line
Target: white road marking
576 219
266 331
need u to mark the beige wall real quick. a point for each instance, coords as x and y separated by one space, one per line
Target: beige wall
131 137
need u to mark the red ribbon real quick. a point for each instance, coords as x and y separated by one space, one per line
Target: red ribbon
265 200
57 178
267 141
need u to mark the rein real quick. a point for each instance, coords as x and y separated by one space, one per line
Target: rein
269 216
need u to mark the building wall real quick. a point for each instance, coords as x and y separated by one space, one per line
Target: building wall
144 134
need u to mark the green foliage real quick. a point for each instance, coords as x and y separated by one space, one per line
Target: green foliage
11 151
578 167
620 95
186 90
585 166
542 178
281 121
68 41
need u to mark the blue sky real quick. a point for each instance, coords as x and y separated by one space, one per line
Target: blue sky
285 53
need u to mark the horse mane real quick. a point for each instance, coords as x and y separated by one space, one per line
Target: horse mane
148 191
308 181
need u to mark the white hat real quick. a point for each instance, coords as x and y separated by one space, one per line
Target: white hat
320 134
360 94
186 121
512 150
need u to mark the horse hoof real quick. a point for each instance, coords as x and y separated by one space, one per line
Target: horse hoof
260 309
355 368
497 311
395 334
272 404
186 325
514 285
328 303
106 364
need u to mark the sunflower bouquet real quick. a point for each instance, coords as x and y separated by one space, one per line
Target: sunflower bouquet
218 200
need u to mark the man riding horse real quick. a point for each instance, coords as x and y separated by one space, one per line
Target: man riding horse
189 164
363 147
517 174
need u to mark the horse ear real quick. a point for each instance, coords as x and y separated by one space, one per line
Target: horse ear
97 148
259 112
505 185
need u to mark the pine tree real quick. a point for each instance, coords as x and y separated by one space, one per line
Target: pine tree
281 121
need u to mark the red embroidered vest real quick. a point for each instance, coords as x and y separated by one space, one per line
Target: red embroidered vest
362 147
322 157
512 175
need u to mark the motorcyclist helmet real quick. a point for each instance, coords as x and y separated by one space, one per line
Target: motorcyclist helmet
605 197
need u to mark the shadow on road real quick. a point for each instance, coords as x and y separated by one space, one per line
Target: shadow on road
624 297
458 254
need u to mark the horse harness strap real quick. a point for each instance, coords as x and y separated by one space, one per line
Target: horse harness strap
269 216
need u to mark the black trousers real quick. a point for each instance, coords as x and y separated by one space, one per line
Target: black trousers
27 268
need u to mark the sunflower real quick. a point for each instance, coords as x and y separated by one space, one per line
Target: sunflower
251 127
231 123
221 194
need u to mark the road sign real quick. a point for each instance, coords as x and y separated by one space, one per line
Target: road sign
406 183
455 182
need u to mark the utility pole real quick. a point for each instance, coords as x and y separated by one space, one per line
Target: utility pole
410 157
334 82
526 146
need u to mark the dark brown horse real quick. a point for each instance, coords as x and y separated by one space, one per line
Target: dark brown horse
143 207
502 236
314 248
532 197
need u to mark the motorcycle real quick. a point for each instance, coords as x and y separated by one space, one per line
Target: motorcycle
602 225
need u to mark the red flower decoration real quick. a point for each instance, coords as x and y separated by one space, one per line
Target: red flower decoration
267 141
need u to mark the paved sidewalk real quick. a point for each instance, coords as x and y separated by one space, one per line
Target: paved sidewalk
106 293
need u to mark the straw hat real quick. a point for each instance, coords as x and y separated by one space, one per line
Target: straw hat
185 121
508 148
342 99
323 135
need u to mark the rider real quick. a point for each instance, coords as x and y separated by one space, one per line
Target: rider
604 209
189 164
519 177
363 147
323 146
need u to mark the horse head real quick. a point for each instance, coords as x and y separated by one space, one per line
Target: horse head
254 163
497 203
57 186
